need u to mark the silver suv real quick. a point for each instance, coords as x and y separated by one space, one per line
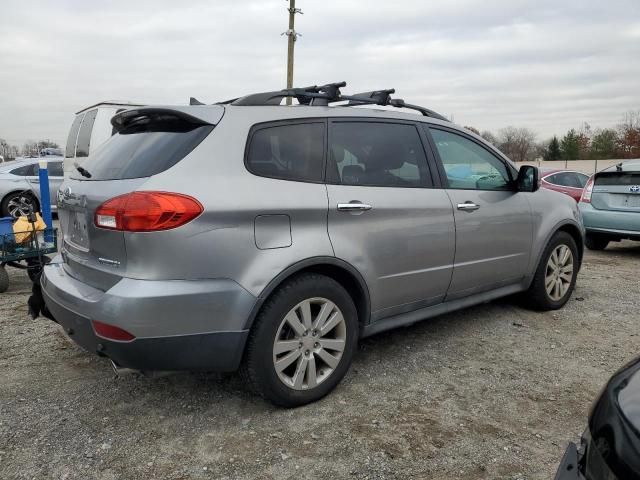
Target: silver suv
270 237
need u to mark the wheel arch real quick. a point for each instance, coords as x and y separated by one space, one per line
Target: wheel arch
339 270
565 226
577 236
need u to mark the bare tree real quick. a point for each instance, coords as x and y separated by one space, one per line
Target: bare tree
629 135
517 143
8 151
490 137
33 149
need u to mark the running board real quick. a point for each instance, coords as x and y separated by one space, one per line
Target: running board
409 318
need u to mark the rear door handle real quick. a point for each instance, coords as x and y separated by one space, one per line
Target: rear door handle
468 206
353 206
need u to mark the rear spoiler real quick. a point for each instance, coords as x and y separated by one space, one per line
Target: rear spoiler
148 115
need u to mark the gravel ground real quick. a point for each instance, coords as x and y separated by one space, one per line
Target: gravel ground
494 391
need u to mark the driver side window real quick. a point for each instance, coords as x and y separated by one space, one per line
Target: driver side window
469 166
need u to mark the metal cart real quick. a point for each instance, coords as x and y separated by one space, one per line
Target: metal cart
29 255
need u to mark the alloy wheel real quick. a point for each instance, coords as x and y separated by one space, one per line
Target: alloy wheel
559 274
20 205
309 343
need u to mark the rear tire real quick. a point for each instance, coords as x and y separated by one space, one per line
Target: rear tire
555 277
303 341
596 242
17 204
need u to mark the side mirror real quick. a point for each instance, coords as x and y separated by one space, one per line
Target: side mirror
528 179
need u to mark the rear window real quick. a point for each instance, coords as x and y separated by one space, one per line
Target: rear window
143 150
618 178
73 135
288 152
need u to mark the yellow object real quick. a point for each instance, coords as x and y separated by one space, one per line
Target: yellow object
23 230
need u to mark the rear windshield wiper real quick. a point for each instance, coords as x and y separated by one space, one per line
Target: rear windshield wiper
83 171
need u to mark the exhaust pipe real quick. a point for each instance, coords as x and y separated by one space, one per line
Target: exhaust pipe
123 371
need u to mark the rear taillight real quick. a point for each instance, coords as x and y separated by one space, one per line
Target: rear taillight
587 191
111 332
147 211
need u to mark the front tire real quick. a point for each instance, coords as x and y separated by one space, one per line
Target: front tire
596 242
555 277
303 341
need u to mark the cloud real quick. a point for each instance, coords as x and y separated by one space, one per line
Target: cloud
547 65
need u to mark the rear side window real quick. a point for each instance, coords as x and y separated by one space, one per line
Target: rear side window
567 179
376 154
618 178
84 137
288 152
73 135
147 148
26 170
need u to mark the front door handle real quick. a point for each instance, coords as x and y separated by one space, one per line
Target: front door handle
353 206
468 206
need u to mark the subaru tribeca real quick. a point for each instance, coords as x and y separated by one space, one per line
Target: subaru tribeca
245 233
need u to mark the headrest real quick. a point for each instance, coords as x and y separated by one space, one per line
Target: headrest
352 174
385 155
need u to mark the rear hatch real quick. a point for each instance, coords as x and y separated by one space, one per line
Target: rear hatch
148 141
617 190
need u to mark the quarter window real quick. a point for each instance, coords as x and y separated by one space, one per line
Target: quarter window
84 137
469 166
376 154
73 136
26 170
288 152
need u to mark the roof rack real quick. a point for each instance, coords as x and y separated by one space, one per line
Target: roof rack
330 93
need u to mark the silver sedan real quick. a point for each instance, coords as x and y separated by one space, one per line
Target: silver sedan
20 186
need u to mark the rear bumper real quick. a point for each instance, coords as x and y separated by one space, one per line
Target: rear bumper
617 223
178 325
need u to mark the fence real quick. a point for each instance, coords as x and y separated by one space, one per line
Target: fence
584 166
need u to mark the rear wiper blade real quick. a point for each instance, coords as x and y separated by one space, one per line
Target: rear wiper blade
83 171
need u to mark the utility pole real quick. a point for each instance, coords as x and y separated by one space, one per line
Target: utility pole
291 33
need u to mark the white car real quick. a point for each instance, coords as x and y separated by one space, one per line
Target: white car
20 185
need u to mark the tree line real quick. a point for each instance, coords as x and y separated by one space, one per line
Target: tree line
29 149
583 143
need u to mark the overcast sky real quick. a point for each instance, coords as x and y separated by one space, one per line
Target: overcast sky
547 65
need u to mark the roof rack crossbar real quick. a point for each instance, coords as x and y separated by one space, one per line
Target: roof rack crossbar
379 97
312 95
323 95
